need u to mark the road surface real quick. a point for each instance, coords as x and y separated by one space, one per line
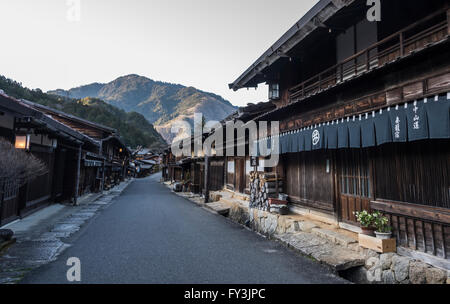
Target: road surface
150 235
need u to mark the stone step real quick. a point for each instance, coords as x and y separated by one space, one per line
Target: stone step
332 255
306 226
231 201
219 207
334 236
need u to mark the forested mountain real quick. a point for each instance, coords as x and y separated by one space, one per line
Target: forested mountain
160 102
133 127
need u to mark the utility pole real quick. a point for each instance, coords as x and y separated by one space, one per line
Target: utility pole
206 178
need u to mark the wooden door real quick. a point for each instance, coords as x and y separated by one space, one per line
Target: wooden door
354 184
240 175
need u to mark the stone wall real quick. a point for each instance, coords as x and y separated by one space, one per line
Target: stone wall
261 221
389 268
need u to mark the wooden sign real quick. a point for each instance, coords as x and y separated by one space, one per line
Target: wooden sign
254 161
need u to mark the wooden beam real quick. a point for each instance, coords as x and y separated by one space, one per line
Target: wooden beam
434 214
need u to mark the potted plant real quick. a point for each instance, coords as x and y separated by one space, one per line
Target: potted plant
383 229
366 221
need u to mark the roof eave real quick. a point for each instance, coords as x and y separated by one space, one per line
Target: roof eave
321 12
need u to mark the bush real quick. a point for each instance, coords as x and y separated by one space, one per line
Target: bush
18 165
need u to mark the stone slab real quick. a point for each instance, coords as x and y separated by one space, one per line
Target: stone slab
334 256
334 236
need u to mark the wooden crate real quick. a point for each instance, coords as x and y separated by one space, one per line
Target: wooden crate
378 245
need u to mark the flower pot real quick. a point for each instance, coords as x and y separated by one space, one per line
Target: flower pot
383 235
368 231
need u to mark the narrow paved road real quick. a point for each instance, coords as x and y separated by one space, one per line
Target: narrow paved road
150 235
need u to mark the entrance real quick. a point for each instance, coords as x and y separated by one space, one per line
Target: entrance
355 185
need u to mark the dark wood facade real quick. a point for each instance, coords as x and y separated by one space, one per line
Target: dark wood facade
348 67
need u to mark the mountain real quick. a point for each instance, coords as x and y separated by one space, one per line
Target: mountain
132 127
161 103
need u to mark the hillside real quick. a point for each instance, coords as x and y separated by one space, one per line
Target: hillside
160 102
133 127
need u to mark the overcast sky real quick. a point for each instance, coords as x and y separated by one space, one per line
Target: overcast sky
202 43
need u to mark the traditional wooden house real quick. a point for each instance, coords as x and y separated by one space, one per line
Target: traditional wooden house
104 164
229 172
54 143
364 114
81 157
237 167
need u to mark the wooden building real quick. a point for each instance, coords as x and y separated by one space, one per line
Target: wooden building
103 165
55 144
81 157
225 172
364 114
238 168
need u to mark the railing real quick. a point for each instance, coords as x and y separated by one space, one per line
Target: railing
421 228
8 189
412 38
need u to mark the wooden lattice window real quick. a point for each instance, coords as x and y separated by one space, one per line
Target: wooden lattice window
355 176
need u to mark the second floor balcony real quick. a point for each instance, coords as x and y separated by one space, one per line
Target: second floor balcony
422 34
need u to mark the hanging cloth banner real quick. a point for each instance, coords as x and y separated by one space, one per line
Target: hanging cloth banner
301 141
308 139
318 138
438 113
283 143
331 136
399 124
343 135
294 144
368 131
383 129
417 121
354 131
289 142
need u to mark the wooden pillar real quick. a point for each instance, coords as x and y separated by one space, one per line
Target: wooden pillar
103 176
207 172
448 21
77 181
2 197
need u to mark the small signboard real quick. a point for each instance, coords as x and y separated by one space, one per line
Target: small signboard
254 161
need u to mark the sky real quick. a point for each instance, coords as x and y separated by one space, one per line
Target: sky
207 44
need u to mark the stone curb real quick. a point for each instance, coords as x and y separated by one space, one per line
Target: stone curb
6 244
19 260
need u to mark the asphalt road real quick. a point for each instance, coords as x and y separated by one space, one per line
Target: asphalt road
150 235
